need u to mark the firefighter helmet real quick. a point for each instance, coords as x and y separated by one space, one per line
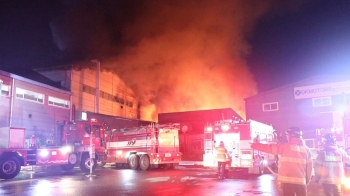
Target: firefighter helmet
330 139
295 132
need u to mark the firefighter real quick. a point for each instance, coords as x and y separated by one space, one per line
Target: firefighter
295 162
32 141
329 166
221 157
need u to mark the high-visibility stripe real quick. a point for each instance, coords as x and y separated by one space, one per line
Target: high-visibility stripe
333 164
289 179
333 158
301 149
292 160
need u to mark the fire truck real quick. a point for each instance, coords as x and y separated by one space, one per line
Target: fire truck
14 154
237 137
144 147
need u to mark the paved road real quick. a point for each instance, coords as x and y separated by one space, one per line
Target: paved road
112 181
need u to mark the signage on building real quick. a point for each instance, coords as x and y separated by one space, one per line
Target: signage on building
322 90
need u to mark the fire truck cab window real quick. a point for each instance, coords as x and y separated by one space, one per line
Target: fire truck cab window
88 129
96 130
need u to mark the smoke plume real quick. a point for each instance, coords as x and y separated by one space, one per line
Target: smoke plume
176 55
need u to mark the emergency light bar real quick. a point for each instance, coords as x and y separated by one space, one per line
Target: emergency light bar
225 127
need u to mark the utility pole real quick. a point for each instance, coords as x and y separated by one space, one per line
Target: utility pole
97 94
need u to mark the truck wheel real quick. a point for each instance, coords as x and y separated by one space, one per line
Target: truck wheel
134 161
144 162
9 168
72 160
85 163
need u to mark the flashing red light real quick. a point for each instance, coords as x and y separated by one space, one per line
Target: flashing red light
225 127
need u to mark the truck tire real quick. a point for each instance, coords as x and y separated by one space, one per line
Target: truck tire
72 160
85 163
9 167
144 162
134 161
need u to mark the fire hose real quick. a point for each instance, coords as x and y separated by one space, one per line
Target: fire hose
269 168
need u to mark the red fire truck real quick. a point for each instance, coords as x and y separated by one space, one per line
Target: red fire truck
14 154
237 137
139 148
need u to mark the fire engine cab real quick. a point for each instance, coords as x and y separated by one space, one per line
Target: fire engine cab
139 147
237 137
14 154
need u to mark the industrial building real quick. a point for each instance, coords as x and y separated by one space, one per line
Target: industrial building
94 91
316 105
39 107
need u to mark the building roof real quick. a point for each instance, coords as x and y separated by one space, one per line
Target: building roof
224 113
30 76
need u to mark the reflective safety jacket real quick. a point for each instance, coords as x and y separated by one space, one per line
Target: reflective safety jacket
329 165
221 154
295 163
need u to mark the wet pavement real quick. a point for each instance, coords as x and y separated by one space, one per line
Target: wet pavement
184 180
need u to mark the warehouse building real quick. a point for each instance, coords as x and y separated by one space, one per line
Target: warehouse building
40 107
318 104
100 92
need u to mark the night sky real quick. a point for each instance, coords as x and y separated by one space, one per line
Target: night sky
260 44
311 40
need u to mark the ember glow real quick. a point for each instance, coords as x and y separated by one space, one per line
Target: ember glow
177 55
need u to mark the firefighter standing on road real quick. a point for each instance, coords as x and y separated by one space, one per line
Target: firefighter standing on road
329 166
295 162
221 157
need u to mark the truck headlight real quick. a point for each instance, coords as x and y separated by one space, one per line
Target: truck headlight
44 153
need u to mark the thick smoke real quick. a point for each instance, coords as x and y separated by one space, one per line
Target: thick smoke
176 55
